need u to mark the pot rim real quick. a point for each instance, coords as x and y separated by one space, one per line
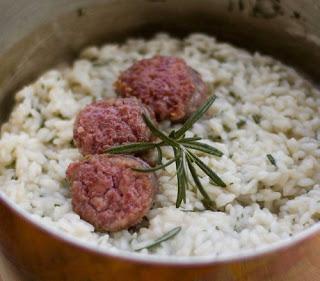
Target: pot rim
157 259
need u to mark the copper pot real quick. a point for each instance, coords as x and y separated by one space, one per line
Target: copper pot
37 34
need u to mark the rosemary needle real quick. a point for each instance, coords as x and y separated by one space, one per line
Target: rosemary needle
131 148
170 234
195 117
159 167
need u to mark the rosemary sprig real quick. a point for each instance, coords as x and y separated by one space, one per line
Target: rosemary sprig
170 234
184 157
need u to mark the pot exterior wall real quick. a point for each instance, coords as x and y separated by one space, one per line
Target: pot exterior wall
39 256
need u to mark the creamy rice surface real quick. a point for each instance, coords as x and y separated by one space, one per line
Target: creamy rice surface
263 107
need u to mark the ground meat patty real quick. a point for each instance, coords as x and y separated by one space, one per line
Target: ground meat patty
110 122
107 193
167 84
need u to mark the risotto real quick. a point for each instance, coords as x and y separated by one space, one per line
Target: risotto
265 120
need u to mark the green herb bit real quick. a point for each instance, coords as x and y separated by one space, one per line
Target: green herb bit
215 138
226 128
241 123
272 160
256 118
232 94
169 235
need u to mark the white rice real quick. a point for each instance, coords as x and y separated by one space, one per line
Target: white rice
261 204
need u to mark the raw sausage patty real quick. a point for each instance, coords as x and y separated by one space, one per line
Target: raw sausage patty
107 193
106 123
167 84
